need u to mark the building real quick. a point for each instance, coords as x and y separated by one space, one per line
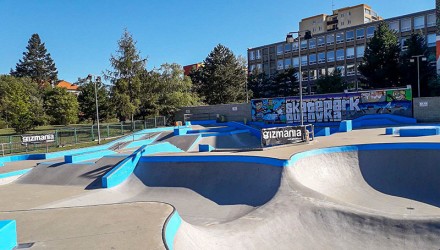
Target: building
339 19
341 49
188 68
71 88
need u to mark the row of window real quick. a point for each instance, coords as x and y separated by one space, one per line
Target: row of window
405 24
313 74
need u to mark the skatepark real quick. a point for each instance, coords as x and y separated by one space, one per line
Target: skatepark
360 189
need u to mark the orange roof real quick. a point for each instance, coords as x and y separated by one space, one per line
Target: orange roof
67 85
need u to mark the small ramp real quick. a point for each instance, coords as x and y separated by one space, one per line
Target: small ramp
184 142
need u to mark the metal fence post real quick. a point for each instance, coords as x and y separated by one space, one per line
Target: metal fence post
145 123
93 134
10 144
75 136
108 131
155 122
122 128
57 142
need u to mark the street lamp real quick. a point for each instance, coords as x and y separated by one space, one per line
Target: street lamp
290 39
97 79
418 69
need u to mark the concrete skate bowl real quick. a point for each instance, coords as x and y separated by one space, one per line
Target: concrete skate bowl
390 178
204 191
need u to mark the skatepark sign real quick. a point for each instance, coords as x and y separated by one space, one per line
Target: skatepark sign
37 138
282 135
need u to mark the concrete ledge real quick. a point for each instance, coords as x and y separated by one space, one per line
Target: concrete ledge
205 148
412 132
390 131
8 234
323 132
139 143
382 120
345 126
254 131
87 156
170 229
180 131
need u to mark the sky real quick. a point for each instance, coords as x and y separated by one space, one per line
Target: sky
81 35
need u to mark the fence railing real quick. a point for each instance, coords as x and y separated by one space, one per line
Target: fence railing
79 134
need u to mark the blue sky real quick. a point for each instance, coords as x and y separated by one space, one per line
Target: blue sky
81 35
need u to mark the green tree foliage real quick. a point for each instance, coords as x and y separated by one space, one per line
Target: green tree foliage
61 105
87 102
417 46
283 83
380 66
165 90
222 79
21 106
128 67
333 83
36 64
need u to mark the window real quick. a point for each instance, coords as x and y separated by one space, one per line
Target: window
280 64
312 74
431 20
303 60
349 35
342 23
367 11
419 22
349 21
431 40
340 37
321 57
312 43
350 70
280 49
330 56
287 47
340 55
258 54
303 44
321 72
350 53
259 67
360 33
295 46
330 70
321 41
296 62
370 31
251 55
287 63
305 75
367 20
330 39
252 68
403 44
341 69
406 24
394 25
312 59
342 15
360 51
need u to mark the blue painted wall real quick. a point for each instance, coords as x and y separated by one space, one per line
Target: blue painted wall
8 234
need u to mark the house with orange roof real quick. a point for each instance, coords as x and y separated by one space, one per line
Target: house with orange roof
71 88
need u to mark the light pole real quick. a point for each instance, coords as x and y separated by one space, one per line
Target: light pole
97 79
418 69
291 40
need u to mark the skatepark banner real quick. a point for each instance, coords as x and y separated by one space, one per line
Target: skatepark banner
282 135
333 107
37 138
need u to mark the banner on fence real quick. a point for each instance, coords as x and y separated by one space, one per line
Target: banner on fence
37 138
282 135
333 107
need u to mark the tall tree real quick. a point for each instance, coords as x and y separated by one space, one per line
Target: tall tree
416 46
36 64
222 79
87 100
333 83
380 66
128 66
61 105
285 83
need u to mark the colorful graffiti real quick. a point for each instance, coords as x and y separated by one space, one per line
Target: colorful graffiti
333 107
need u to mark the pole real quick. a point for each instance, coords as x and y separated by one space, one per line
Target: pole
300 80
418 76
97 114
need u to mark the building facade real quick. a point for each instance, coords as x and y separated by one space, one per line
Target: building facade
341 49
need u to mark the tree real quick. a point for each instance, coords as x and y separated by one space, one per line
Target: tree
20 106
333 83
87 100
380 66
128 66
222 79
36 63
61 105
281 84
417 46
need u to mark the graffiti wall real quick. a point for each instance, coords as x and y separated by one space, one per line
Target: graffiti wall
333 107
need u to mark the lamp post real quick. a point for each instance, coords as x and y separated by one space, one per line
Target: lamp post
97 79
290 39
418 70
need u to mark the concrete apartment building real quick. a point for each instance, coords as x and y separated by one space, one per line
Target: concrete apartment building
337 47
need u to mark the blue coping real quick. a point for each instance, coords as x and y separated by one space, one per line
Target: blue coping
8 234
205 122
217 158
345 126
15 173
410 132
205 148
87 156
126 167
139 143
254 131
323 132
195 142
171 227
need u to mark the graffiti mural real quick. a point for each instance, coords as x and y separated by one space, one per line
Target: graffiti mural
333 107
